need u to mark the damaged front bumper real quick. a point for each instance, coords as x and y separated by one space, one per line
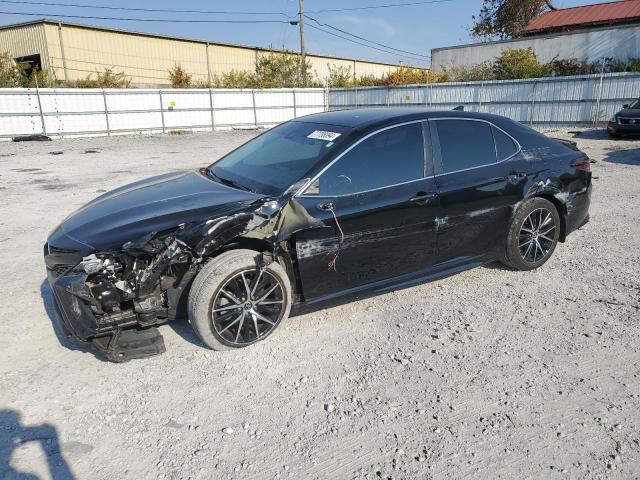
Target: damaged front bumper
115 336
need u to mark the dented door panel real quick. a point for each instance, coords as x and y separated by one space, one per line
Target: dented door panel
386 234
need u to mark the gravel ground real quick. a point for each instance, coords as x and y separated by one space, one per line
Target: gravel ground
487 374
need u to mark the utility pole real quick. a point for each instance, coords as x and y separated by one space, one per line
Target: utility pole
303 63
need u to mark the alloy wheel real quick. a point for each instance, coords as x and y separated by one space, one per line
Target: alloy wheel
247 307
537 235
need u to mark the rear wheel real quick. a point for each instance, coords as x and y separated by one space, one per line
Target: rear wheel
236 301
533 234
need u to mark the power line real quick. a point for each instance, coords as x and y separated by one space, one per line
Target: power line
163 20
366 39
372 7
357 42
138 9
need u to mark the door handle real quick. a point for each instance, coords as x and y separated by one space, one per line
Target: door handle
515 176
328 206
422 198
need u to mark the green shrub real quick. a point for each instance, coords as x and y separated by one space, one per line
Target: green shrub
518 63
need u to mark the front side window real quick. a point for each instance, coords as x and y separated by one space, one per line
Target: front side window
465 144
275 160
390 157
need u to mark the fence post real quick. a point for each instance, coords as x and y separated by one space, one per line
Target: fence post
327 102
106 111
295 104
356 104
426 92
597 112
533 103
388 95
44 128
480 96
162 111
213 116
255 115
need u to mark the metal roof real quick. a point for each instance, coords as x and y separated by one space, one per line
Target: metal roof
587 15
185 39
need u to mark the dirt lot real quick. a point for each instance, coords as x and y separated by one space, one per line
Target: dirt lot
487 374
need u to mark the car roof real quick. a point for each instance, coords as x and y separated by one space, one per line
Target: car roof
364 118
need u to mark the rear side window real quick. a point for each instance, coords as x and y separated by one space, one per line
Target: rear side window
505 147
390 157
465 144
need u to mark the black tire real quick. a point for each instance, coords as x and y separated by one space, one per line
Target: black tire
530 241
226 278
615 136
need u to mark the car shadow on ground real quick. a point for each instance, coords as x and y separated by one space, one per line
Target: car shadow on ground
182 327
623 157
599 134
56 322
14 434
591 134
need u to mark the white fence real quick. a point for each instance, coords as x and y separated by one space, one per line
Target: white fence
79 111
544 102
547 102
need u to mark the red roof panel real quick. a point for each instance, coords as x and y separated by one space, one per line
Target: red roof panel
614 12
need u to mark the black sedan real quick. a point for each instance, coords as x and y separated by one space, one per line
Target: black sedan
319 209
626 121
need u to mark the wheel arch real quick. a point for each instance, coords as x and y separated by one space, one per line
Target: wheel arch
562 211
280 254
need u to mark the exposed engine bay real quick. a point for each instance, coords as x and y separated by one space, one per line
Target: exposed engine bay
146 282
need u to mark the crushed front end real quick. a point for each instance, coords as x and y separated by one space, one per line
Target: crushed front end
114 300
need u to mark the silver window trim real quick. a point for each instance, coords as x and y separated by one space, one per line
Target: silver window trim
497 162
300 192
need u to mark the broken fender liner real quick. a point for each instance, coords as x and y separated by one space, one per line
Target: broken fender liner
127 345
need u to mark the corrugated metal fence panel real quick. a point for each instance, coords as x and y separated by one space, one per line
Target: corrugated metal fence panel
94 111
545 102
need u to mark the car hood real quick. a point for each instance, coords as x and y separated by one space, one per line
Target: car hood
629 113
151 205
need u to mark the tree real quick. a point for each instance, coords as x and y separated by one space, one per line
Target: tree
500 19
11 73
280 70
179 77
340 76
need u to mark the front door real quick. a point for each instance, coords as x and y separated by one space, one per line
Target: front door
378 205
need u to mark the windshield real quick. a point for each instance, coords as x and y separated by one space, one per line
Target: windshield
635 105
278 158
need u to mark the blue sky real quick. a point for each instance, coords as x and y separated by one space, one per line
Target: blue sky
415 28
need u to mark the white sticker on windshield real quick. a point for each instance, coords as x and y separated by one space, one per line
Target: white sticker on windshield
323 135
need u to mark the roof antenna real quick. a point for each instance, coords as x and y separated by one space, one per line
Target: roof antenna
459 108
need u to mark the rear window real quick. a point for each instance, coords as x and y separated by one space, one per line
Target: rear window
465 144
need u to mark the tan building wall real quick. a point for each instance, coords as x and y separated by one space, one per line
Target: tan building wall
146 59
25 40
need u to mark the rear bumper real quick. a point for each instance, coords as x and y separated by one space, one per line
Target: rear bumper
626 129
578 208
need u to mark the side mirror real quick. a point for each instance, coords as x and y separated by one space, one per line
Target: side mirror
626 105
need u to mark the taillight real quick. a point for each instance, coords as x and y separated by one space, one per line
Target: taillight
582 163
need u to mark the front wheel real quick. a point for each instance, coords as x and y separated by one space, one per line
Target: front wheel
533 235
236 300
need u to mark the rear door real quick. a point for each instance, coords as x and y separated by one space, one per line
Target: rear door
477 187
378 204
